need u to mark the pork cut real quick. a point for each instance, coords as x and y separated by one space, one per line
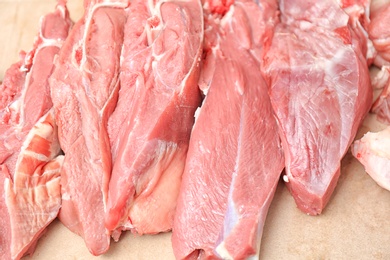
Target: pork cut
150 127
320 90
235 157
381 106
84 89
379 32
29 167
372 150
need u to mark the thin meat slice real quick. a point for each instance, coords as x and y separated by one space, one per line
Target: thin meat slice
320 90
372 150
84 89
29 167
150 127
235 156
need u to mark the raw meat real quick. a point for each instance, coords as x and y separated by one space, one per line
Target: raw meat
151 125
379 33
359 22
235 157
320 90
84 90
372 150
32 199
29 167
381 106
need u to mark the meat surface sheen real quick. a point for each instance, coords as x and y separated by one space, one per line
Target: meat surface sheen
320 90
372 150
235 156
29 167
84 89
150 127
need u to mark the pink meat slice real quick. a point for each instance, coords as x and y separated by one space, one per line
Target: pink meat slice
372 150
29 167
320 90
235 156
150 127
84 89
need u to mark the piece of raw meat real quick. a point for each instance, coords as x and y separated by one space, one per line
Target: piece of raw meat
320 90
25 93
150 127
372 150
379 33
235 156
31 200
359 14
84 90
29 167
381 106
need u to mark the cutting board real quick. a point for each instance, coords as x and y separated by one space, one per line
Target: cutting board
354 225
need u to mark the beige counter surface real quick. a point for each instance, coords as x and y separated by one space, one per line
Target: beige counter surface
355 224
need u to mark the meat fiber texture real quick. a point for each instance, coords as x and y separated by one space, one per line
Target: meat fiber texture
235 157
320 90
150 128
29 167
372 150
84 89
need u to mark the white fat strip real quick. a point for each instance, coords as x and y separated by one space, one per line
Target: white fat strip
37 156
285 178
66 196
223 253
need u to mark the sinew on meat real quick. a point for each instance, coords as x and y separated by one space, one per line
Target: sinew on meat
84 90
150 127
29 165
235 156
320 90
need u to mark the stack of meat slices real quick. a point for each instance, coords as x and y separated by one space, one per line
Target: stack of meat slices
180 115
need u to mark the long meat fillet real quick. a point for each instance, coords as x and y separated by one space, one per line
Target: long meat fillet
29 167
84 90
235 156
320 90
150 127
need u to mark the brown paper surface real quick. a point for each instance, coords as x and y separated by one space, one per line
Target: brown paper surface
355 224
